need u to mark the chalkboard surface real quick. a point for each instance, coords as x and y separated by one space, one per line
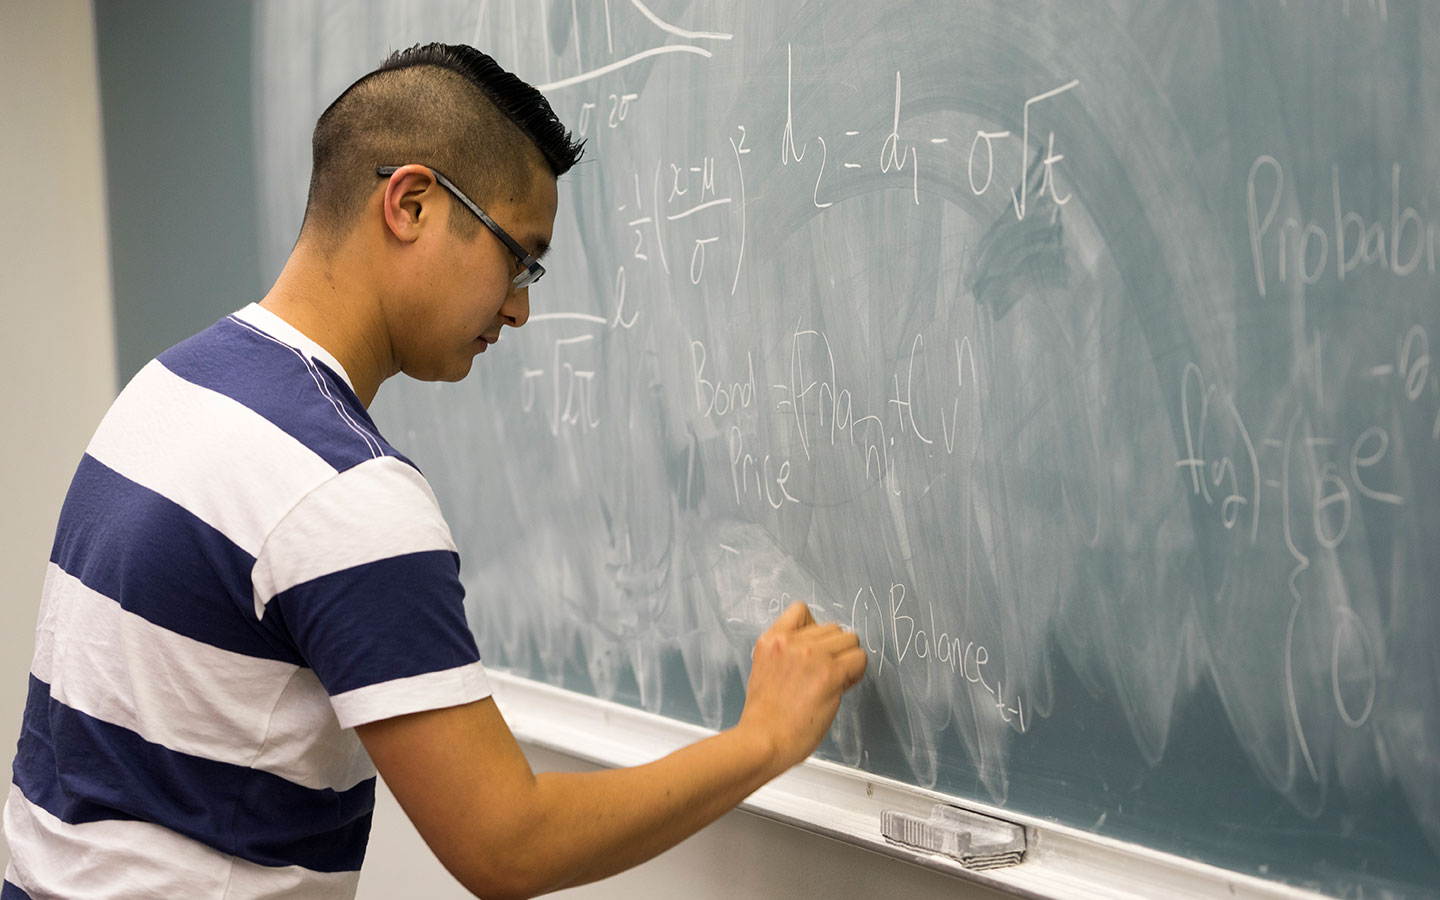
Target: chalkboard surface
1077 354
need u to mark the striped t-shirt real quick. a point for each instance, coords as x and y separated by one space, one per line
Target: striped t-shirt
243 571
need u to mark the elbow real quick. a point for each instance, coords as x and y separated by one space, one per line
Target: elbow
488 889
492 885
506 876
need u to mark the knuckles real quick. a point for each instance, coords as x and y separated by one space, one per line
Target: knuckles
825 655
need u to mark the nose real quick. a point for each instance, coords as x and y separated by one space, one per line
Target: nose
516 309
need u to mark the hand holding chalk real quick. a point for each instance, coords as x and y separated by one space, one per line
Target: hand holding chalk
799 672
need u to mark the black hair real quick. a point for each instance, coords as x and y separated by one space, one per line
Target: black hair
526 107
447 106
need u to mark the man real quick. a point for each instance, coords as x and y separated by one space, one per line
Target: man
253 602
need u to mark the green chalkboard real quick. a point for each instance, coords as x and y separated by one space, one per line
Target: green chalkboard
1075 353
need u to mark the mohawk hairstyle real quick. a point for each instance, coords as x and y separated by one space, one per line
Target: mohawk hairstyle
446 106
526 107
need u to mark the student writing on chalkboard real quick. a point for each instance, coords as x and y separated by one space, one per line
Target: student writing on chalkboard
253 601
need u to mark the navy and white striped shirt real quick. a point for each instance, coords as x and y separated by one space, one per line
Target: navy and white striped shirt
243 571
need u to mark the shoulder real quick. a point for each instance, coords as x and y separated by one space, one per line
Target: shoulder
238 428
284 379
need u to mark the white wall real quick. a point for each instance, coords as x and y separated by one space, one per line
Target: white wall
57 339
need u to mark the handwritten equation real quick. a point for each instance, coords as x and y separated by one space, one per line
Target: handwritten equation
1306 485
800 408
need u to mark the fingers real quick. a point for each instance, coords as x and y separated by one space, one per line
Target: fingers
852 662
843 646
838 643
835 639
849 657
798 618
794 618
830 636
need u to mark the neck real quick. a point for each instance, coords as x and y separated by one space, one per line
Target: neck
325 298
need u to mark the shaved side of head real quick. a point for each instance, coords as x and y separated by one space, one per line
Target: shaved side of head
449 107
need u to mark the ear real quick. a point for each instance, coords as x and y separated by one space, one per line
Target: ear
410 201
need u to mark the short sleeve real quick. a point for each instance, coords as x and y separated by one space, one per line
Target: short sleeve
364 578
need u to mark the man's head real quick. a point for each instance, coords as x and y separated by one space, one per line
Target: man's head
393 157
449 107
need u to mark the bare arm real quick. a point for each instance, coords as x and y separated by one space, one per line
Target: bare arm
505 832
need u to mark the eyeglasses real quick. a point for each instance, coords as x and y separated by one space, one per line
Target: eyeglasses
530 268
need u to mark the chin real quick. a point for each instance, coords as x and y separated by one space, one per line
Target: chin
459 373
456 372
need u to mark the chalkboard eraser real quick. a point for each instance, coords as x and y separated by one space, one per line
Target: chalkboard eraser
974 840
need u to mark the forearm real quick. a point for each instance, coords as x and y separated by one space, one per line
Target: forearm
505 832
592 825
